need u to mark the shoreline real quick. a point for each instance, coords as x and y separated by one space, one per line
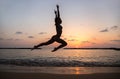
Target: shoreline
23 72
16 75
58 70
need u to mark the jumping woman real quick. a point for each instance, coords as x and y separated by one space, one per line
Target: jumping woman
55 38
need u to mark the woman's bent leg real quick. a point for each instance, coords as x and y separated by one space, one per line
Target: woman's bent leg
63 43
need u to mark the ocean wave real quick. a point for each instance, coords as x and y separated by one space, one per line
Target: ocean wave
57 63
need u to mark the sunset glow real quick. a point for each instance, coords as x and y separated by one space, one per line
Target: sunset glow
86 23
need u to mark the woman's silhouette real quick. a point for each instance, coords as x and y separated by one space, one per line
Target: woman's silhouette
55 38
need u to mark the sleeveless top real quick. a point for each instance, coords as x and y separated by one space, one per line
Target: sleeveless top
58 21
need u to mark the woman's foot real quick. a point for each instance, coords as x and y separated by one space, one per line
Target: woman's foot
34 48
55 49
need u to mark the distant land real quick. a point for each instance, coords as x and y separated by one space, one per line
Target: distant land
18 48
96 48
73 48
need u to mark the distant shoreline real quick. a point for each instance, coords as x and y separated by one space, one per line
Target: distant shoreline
71 48
96 48
18 48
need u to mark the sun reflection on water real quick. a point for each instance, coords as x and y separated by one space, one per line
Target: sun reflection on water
77 70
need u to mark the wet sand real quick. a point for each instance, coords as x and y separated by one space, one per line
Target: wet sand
18 75
23 72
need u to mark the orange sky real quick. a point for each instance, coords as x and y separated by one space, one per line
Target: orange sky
85 24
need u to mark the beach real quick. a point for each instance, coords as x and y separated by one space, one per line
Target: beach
23 72
70 64
13 75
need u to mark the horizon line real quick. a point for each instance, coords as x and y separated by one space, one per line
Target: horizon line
107 48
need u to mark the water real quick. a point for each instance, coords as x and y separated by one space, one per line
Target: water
60 58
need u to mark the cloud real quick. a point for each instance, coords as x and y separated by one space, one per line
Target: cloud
10 39
41 33
88 42
71 36
64 38
30 36
72 40
17 39
114 27
1 33
115 40
104 30
94 38
118 35
85 42
19 32
93 43
1 39
111 28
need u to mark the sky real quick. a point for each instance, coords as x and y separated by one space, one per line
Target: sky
86 23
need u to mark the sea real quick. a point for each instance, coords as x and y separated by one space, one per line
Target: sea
59 61
61 58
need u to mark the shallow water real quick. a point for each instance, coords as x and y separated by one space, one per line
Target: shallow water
58 70
67 58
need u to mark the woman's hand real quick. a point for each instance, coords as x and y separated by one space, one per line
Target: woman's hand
57 6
